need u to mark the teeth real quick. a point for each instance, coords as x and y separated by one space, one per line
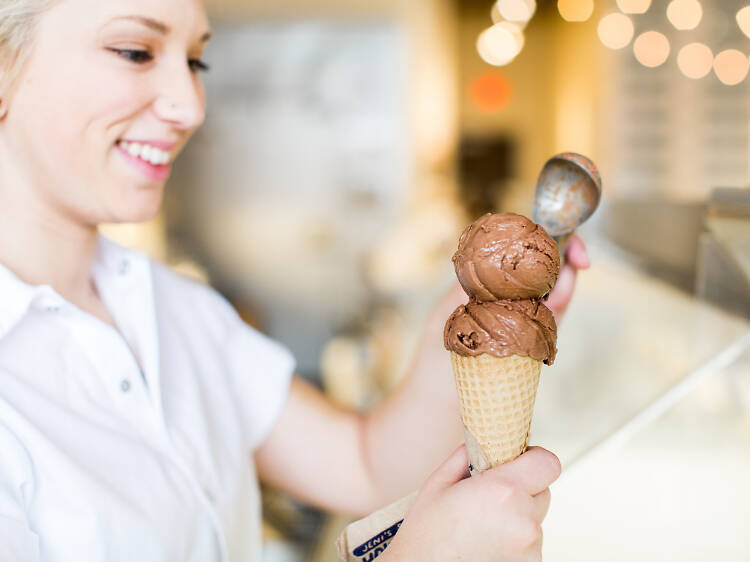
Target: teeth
146 152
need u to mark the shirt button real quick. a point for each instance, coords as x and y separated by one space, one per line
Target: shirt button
124 267
52 308
125 385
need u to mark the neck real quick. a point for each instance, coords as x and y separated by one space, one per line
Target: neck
43 246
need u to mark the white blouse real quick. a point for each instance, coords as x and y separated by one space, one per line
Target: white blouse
102 461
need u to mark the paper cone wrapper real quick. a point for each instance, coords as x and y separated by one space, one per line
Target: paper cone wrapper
496 396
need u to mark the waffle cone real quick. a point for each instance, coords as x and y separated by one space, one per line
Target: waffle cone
496 395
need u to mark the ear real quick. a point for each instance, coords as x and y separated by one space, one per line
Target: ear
3 94
3 97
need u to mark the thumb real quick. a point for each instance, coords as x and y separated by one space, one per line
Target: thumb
561 294
453 470
576 253
534 470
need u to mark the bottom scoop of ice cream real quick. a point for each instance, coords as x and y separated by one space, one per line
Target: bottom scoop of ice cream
503 328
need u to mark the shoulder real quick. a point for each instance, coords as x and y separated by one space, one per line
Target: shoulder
203 305
172 285
176 298
193 302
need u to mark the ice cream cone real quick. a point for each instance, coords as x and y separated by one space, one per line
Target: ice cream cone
496 396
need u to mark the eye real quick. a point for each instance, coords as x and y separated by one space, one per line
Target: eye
197 65
137 56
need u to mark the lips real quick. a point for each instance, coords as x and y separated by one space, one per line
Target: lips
150 160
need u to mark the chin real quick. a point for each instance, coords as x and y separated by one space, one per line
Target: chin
138 207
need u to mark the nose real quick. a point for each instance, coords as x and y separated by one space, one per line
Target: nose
181 99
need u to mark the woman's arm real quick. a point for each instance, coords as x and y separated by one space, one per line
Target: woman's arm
351 462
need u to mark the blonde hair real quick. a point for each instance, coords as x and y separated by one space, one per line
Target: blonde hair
17 21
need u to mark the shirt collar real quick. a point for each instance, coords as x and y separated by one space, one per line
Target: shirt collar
17 296
113 259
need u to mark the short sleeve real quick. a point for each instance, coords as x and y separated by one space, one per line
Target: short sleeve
18 543
256 369
260 371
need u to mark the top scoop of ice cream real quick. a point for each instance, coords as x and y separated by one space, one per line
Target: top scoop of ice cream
506 256
503 328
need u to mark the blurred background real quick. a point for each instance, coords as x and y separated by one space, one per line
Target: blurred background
347 144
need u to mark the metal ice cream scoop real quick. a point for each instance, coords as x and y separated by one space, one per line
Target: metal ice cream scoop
567 193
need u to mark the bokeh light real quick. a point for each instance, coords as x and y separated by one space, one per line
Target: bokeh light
615 30
491 91
500 44
515 10
497 17
743 20
651 48
634 6
684 14
731 66
495 14
575 10
695 60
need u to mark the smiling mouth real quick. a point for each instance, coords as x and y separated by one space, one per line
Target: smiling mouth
146 152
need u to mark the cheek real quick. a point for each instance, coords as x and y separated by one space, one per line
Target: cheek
80 116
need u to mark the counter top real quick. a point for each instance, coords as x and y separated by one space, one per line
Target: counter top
648 407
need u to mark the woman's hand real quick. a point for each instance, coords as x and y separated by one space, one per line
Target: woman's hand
575 258
381 462
494 516
427 395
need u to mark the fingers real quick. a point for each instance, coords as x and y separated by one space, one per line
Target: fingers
535 552
576 258
560 296
533 471
540 505
576 254
453 470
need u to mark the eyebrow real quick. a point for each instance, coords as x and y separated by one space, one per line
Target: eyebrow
156 25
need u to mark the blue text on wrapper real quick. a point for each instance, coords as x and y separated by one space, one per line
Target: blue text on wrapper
375 546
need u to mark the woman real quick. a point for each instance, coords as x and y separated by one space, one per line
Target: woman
136 409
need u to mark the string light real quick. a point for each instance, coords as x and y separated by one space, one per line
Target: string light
514 11
731 67
651 49
684 14
615 31
497 18
695 60
575 10
743 20
500 44
634 6
495 14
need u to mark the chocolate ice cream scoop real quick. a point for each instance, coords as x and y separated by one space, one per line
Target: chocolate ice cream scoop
503 328
506 256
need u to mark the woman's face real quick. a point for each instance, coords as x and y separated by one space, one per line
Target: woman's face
109 95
